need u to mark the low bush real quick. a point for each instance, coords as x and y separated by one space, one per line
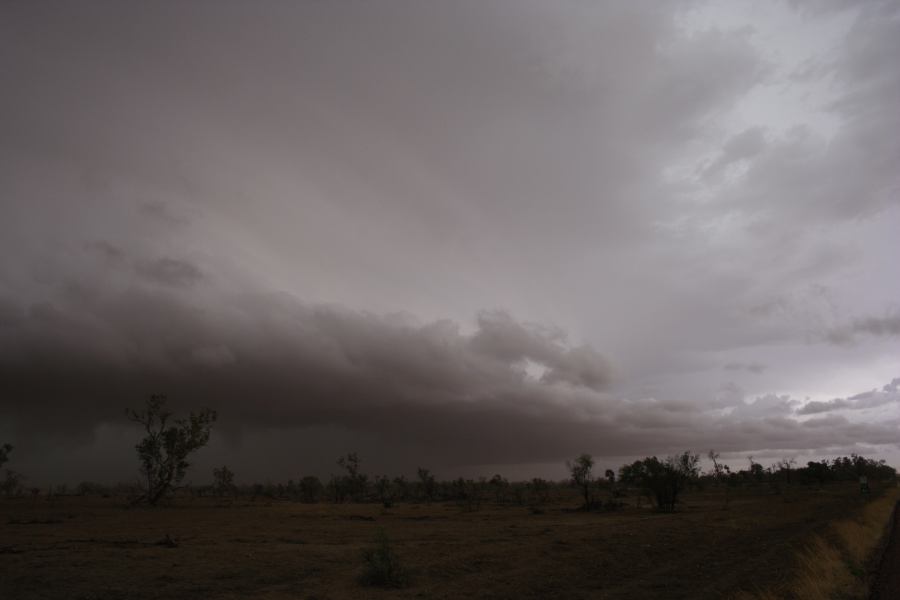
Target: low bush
382 567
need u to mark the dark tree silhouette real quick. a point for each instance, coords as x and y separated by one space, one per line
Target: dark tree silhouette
785 466
402 486
383 487
499 484
223 479
756 472
718 470
427 483
164 450
665 479
580 470
5 449
12 482
540 491
354 482
310 489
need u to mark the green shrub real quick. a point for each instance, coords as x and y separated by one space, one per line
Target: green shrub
382 566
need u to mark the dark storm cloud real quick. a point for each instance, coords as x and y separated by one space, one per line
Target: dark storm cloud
819 406
162 212
502 337
170 271
749 367
768 405
192 195
106 250
889 394
887 326
274 362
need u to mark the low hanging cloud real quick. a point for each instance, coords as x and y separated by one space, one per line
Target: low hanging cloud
752 367
879 327
765 406
270 361
889 394
170 271
499 335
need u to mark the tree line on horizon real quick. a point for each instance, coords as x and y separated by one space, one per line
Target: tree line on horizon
168 442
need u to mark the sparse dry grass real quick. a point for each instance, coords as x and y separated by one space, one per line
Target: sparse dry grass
860 535
95 548
833 564
822 574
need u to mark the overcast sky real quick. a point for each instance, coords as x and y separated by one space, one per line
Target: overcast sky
470 235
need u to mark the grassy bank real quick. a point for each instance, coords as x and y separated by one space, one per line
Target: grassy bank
834 563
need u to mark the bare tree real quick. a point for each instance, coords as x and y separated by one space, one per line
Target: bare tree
717 468
164 450
719 473
580 470
785 465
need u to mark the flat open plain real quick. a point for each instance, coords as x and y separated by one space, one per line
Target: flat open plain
99 549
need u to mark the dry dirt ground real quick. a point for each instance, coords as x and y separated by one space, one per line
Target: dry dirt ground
95 548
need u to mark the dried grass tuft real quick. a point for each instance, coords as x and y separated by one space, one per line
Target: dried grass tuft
833 564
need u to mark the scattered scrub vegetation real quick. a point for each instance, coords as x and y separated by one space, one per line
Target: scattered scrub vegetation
834 564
